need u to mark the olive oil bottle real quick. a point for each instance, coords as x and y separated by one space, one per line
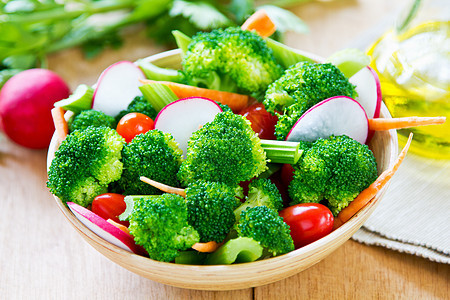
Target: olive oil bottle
413 64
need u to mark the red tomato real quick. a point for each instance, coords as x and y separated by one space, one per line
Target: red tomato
263 122
287 174
110 206
133 124
308 222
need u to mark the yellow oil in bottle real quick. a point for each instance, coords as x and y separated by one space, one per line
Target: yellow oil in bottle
414 71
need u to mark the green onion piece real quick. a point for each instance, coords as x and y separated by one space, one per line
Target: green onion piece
158 94
238 250
154 72
80 100
350 61
182 41
282 152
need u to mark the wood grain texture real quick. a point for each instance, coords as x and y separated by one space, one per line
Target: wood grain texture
42 257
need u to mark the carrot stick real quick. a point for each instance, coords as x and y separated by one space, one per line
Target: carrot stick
206 247
398 123
261 23
366 195
235 101
118 225
61 127
163 187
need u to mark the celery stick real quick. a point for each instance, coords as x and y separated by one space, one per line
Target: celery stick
158 94
80 100
239 250
282 152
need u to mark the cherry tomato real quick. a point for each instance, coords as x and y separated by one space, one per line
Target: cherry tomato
133 124
110 206
308 222
263 122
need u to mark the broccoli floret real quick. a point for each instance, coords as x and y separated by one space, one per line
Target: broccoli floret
232 60
261 191
336 169
224 150
85 163
139 105
160 225
88 118
153 154
210 209
265 226
302 86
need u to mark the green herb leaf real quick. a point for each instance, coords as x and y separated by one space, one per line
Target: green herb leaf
202 14
284 19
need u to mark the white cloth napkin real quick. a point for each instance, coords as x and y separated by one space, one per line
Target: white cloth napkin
414 215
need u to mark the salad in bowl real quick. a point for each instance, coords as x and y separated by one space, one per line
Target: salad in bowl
232 161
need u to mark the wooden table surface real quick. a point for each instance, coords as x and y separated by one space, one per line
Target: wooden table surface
42 256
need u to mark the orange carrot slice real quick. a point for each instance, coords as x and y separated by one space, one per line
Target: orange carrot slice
235 101
61 127
261 23
368 194
163 187
206 247
398 123
118 225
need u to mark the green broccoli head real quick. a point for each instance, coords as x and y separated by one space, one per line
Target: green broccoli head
139 105
336 169
153 154
85 163
231 59
265 226
302 86
210 209
160 225
224 150
88 118
261 191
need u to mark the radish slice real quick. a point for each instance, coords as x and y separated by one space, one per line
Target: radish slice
116 88
369 91
105 230
182 117
333 116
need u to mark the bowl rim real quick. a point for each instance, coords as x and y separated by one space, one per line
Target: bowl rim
219 277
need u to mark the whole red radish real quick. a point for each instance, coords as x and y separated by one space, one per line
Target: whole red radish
26 101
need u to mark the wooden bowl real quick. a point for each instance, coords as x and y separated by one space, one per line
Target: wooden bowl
231 277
